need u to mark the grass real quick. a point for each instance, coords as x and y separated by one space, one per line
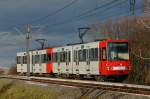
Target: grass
4 82
21 90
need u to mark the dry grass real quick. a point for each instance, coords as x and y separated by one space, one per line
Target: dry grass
4 82
21 90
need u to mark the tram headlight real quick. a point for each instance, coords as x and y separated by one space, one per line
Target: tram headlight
109 67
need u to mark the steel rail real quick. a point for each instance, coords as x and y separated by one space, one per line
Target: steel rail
125 89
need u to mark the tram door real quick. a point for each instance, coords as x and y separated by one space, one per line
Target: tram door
103 58
76 62
67 61
58 63
88 61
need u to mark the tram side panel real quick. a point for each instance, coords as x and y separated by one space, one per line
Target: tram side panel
79 59
66 60
86 59
62 63
22 62
55 60
30 62
62 60
49 60
93 58
22 65
35 61
40 61
19 62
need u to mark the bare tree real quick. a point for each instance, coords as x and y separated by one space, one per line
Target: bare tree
12 70
146 7
133 29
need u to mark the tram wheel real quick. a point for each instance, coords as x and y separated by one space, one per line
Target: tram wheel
100 78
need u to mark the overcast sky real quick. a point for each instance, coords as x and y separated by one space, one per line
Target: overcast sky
58 21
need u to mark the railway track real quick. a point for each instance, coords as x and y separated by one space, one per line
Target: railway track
118 87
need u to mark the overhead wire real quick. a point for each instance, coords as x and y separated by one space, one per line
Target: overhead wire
121 13
56 12
104 10
90 12
85 14
119 4
106 6
50 14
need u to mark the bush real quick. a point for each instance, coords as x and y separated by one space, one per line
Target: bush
12 70
1 72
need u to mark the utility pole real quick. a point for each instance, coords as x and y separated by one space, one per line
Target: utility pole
28 29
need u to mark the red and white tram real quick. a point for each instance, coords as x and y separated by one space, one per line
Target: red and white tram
101 59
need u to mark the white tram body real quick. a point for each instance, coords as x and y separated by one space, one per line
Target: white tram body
75 59
22 62
39 66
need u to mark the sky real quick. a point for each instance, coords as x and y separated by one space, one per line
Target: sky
54 20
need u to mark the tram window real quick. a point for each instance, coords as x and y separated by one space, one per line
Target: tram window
21 59
43 58
66 56
62 57
24 59
91 54
33 59
55 57
94 54
82 55
37 59
18 59
75 55
58 57
104 56
48 57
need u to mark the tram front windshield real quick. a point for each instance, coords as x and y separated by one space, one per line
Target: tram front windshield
118 51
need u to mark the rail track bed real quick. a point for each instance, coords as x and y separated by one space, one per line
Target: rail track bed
118 87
